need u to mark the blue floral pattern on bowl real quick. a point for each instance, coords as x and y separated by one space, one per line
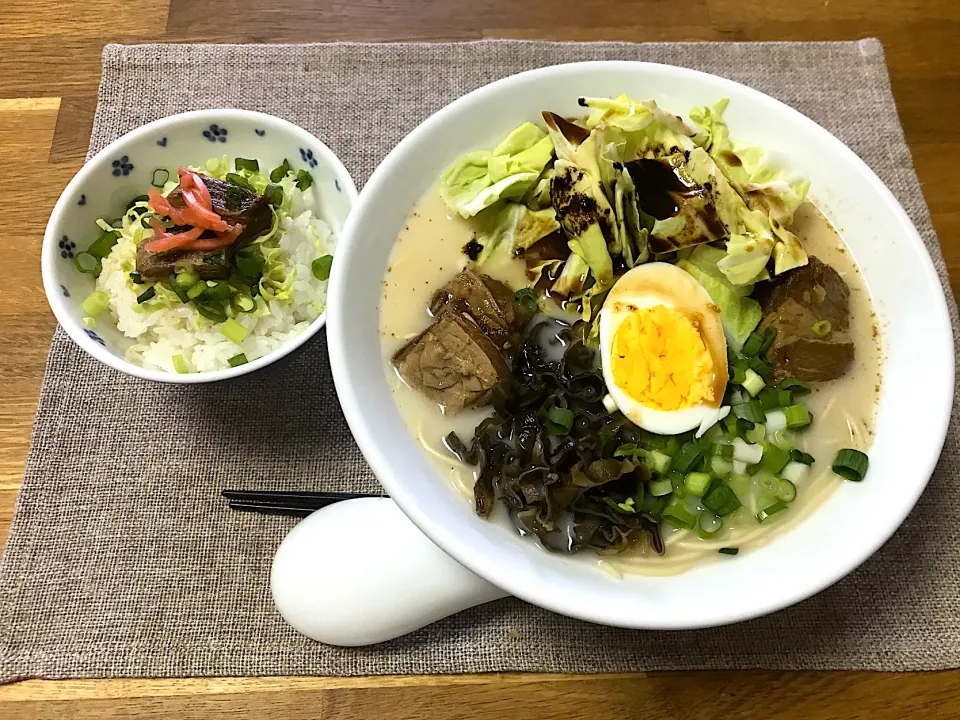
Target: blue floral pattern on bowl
215 133
82 200
93 336
67 246
260 132
308 157
122 167
162 142
66 293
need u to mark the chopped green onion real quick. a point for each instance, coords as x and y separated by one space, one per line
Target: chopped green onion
752 383
851 464
658 461
89 322
136 278
822 328
752 411
721 466
197 290
527 299
180 364
729 550
661 487
798 416
678 480
249 165
769 336
766 485
232 330
740 484
795 472
274 194
102 246
786 491
797 387
776 420
238 180
774 458
673 445
730 423
696 483
321 267
721 500
739 374
708 525
279 173
784 397
714 434
304 180
210 312
237 360
687 458
186 279
801 457
756 434
761 367
722 450
743 428
160 177
783 438
135 201
146 295
678 516
747 453
217 291
764 514
244 303
559 420
178 289
626 450
751 348
638 498
768 398
95 303
250 266
87 263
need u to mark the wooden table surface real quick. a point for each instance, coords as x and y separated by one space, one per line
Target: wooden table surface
49 71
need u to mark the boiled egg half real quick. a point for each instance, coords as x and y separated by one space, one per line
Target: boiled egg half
663 351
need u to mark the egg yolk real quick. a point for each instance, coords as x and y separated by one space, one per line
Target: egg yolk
659 358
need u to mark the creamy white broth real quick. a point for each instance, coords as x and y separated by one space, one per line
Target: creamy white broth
429 251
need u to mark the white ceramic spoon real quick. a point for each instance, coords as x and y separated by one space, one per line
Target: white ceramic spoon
341 584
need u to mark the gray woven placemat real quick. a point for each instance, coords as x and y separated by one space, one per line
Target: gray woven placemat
121 560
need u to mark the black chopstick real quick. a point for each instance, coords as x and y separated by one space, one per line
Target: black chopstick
296 503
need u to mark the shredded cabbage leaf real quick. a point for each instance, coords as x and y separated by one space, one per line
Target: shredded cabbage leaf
479 179
739 314
771 193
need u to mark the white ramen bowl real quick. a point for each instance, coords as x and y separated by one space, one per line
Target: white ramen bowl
910 425
124 169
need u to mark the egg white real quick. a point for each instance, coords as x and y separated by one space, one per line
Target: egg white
648 286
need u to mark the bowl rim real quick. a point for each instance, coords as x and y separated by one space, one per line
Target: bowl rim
48 254
510 577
